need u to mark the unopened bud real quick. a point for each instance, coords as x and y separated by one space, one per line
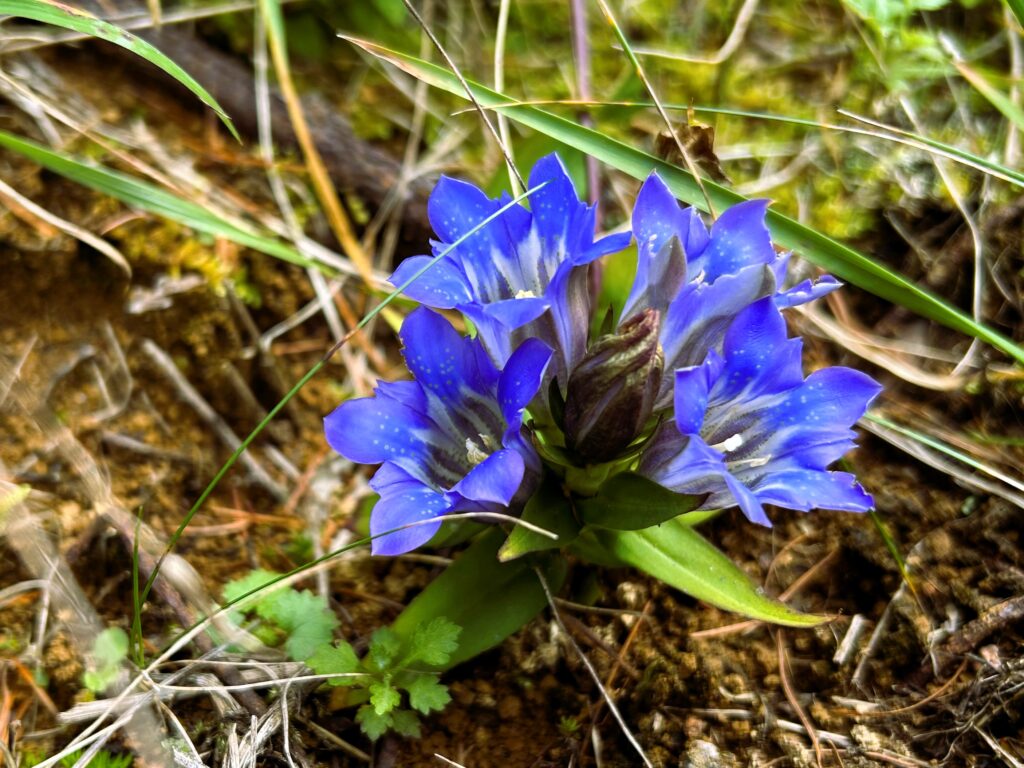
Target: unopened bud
611 392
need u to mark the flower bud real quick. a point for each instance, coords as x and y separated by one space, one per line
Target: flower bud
611 392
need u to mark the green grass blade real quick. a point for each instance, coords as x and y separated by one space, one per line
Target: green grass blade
840 260
884 132
151 198
995 97
1017 7
79 21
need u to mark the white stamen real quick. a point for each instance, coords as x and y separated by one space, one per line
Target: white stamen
730 444
523 294
753 463
473 453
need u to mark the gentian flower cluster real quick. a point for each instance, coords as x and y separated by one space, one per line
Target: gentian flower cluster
696 386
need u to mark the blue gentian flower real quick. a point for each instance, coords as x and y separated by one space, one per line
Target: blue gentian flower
699 280
516 268
749 429
449 441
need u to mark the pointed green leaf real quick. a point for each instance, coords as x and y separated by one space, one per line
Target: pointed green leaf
548 509
682 558
631 502
66 17
841 260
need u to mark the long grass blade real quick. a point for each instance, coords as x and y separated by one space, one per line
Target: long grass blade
79 21
151 198
831 255
885 131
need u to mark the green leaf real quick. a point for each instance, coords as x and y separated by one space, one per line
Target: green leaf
337 659
405 723
434 642
373 725
1017 6
66 17
631 502
110 647
841 260
682 558
384 647
427 694
306 619
252 581
995 97
490 600
149 197
549 509
383 696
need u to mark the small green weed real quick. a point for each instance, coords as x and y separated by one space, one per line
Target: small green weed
109 650
300 620
386 670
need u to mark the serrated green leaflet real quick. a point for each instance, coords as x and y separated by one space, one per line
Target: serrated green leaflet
841 260
682 558
66 17
149 197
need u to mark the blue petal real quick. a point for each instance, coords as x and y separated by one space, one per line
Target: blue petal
375 429
830 398
442 360
442 286
570 311
808 290
403 500
408 393
515 313
760 358
455 207
660 268
692 387
521 378
747 501
808 489
699 316
495 480
739 238
613 243
555 205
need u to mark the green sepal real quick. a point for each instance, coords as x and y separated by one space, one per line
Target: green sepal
630 502
679 556
549 509
487 598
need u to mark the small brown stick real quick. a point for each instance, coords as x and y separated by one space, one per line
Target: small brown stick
993 619
620 659
791 698
597 642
